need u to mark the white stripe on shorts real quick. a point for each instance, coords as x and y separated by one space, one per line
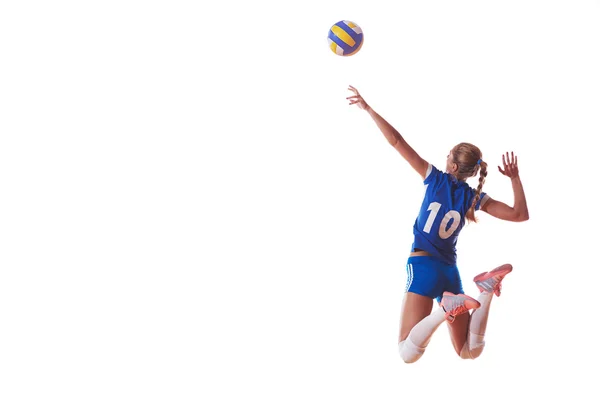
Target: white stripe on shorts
409 278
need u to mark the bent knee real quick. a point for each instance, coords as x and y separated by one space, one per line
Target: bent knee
467 353
409 352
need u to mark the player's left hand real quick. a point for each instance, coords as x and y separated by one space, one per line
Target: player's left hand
511 167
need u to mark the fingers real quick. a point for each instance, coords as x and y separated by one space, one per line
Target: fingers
510 164
513 158
509 159
356 99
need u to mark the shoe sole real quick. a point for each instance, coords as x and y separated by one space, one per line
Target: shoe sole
503 270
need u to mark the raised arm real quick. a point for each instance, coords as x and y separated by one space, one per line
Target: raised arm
518 212
391 134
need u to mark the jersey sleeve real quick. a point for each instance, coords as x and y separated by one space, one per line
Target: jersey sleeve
431 174
482 200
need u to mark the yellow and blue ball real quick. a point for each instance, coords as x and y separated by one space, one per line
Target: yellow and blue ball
345 38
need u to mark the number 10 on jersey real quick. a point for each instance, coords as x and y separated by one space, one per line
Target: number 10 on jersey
445 232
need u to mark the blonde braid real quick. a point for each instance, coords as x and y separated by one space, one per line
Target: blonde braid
482 175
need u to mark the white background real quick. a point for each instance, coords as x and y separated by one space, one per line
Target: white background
189 208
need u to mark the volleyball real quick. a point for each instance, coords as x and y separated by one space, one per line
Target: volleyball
345 38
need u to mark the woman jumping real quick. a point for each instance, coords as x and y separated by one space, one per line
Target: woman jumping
431 267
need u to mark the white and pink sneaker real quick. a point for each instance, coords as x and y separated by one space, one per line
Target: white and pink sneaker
456 304
491 282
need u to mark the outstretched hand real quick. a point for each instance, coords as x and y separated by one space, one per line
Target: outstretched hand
357 99
511 168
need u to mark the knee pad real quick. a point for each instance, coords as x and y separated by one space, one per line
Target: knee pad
409 352
465 352
472 348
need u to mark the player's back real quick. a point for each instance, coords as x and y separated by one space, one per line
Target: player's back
442 214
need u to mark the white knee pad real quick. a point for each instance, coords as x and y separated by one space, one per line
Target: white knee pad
473 347
409 352
465 352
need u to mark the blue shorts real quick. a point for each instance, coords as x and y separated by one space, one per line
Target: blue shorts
431 277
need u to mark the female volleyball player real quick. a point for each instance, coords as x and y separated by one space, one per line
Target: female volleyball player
431 268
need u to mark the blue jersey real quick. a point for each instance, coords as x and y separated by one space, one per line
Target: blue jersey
443 214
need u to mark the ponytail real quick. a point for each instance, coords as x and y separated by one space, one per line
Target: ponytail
482 174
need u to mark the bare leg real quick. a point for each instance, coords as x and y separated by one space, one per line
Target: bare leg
468 331
415 307
459 330
417 326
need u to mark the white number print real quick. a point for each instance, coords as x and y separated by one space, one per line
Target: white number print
444 233
434 208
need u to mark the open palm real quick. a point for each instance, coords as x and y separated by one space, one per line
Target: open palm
511 167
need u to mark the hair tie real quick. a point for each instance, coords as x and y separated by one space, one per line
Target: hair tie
479 161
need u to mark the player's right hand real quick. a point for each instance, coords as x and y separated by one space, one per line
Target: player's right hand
357 99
